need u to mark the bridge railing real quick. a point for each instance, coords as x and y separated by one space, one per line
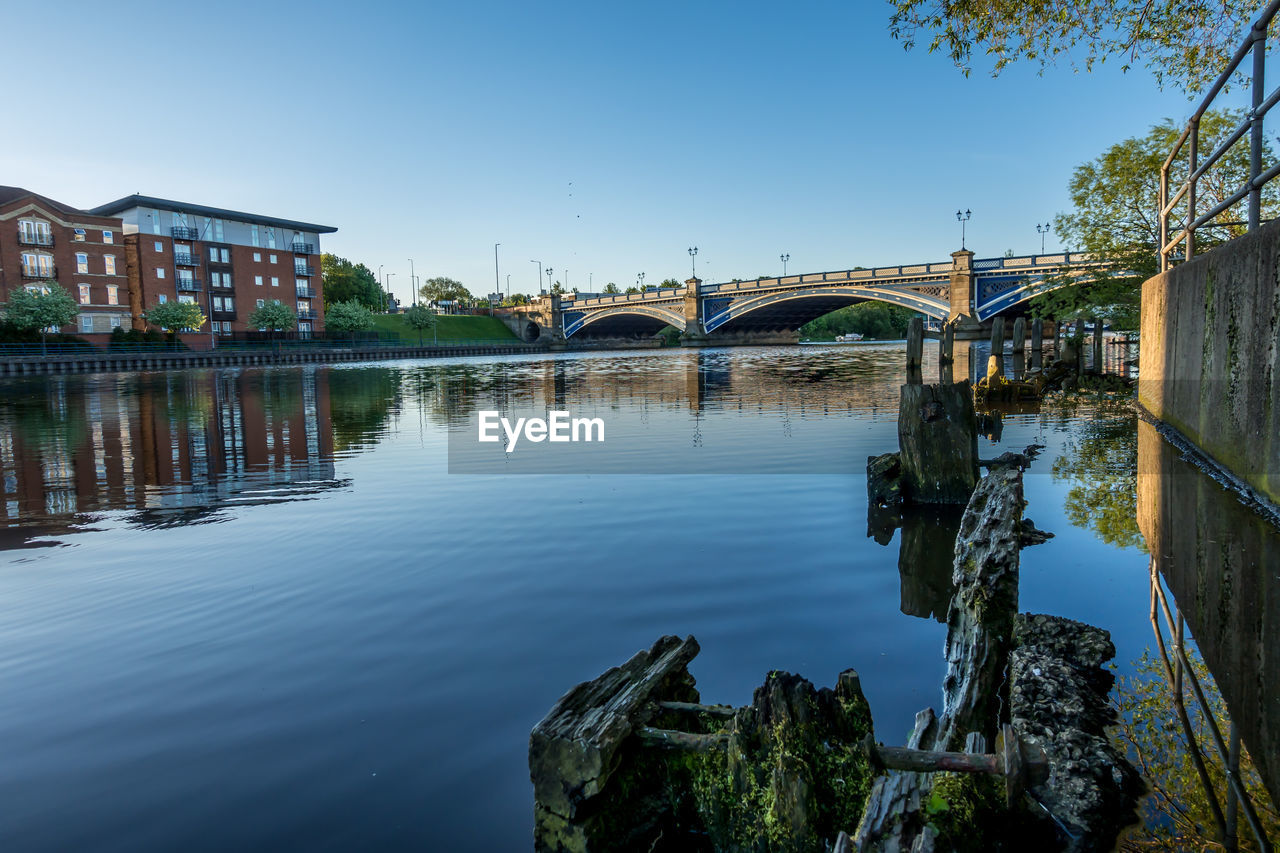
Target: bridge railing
1255 44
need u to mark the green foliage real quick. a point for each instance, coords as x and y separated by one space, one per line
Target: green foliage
348 316
874 320
1185 43
134 337
348 282
38 309
443 289
611 288
632 289
516 299
419 317
274 316
174 316
557 288
1115 198
1177 816
669 283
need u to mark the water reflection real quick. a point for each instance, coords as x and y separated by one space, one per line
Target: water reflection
1099 466
169 448
1220 562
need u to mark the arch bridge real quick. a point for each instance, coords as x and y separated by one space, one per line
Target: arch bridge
965 292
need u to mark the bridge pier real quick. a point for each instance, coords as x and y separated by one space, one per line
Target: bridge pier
963 298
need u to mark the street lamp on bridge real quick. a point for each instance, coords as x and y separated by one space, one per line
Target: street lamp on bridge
1042 230
549 272
640 278
693 260
784 259
963 218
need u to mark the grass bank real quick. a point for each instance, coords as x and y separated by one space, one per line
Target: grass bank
448 328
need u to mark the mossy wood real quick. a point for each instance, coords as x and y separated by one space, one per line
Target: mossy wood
938 443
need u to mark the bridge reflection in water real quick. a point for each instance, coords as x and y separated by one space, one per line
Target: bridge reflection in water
1215 567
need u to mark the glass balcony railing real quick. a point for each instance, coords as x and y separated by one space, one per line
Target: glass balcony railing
189 284
179 232
187 260
303 248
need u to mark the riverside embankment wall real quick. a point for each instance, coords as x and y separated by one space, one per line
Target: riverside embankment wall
1210 335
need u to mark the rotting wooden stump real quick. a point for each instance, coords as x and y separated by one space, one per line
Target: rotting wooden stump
938 443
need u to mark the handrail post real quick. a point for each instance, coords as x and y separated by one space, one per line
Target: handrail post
1255 129
1194 144
1162 257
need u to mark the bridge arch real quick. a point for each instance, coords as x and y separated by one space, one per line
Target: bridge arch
791 309
626 320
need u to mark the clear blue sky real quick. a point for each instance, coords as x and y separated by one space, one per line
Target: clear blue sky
604 139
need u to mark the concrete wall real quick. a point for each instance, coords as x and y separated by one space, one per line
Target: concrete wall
1210 335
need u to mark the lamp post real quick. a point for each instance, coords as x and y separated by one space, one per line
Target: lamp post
382 298
693 260
640 276
550 271
784 258
1042 230
539 263
412 281
388 285
963 218
508 287
497 282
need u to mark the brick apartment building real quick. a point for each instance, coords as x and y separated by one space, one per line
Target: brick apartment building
226 261
43 241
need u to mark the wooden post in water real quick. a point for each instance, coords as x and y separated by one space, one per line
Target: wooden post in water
937 443
1097 345
915 350
1078 339
997 338
947 343
1020 335
1037 343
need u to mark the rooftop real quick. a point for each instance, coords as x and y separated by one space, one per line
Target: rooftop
9 194
129 202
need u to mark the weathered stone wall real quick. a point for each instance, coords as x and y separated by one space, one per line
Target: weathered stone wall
1210 334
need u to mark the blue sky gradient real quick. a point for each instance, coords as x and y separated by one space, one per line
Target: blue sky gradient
601 139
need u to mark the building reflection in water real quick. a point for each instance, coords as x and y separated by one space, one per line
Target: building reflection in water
170 447
1219 561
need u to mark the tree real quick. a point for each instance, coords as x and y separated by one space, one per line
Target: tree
348 316
1115 218
875 320
611 288
443 289
31 309
632 289
1185 43
347 282
670 282
274 316
173 317
557 288
420 317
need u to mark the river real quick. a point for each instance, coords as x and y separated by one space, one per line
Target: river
255 609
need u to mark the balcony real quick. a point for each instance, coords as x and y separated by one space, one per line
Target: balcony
187 260
306 314
303 269
39 272
303 248
306 293
179 232
189 284
28 238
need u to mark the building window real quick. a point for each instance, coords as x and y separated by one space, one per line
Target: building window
226 253
257 257
275 281
79 235
186 298
35 232
226 279
257 279
84 294
159 272
261 302
213 254
301 284
113 294
86 323
108 237
253 237
82 263
271 258
217 230
36 264
159 247
109 262
271 239
163 298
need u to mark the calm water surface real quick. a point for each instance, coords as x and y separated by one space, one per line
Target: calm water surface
253 608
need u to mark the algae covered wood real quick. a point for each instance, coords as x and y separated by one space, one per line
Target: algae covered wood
575 748
892 816
980 621
938 443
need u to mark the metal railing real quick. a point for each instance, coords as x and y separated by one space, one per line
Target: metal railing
191 284
305 293
187 260
1181 674
179 232
26 238
303 269
303 248
306 314
39 272
1255 43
